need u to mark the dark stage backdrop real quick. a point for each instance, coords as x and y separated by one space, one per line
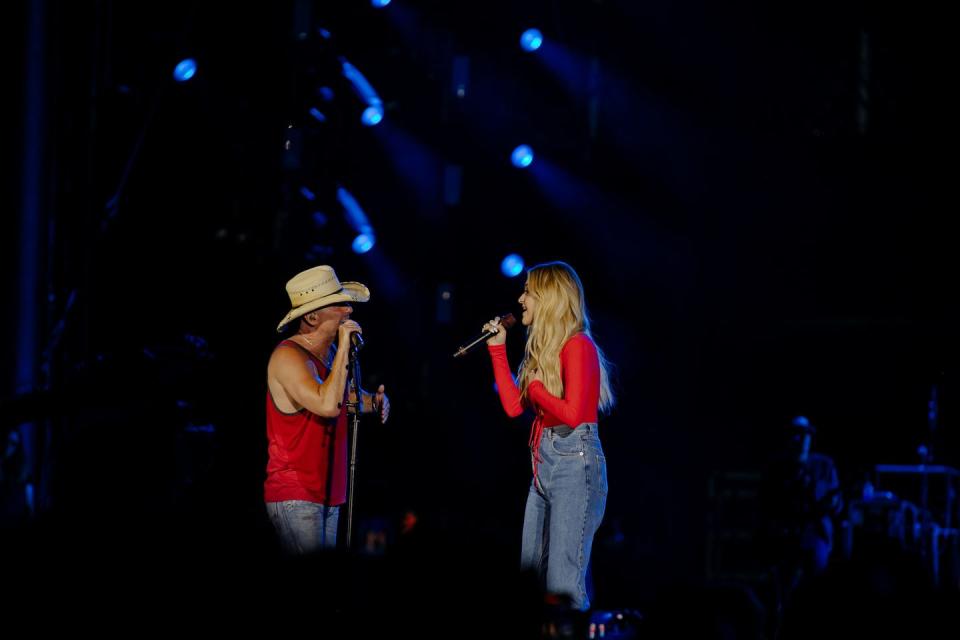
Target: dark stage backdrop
756 200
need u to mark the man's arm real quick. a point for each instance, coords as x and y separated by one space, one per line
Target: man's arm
291 368
299 379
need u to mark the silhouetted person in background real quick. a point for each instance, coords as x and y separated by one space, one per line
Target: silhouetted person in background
14 508
799 497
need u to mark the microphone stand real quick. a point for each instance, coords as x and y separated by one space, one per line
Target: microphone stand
357 406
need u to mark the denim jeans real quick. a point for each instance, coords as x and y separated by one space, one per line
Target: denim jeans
564 508
304 527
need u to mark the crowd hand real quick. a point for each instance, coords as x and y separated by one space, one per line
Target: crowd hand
499 331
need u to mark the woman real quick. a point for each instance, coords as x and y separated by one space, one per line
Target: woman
564 379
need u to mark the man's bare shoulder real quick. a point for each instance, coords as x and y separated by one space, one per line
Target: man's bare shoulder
286 355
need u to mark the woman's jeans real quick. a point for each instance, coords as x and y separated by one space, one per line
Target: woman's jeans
564 508
304 527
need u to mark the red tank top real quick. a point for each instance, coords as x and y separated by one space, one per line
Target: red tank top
307 453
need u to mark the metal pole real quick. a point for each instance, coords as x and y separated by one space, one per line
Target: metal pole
357 407
32 220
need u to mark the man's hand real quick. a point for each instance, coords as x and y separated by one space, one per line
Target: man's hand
343 334
381 404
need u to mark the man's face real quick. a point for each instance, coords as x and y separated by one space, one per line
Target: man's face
798 442
329 318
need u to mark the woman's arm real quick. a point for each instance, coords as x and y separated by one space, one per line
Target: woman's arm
507 388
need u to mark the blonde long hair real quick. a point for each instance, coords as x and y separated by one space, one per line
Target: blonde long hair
560 314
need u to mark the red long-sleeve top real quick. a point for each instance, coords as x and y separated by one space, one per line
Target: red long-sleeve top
580 372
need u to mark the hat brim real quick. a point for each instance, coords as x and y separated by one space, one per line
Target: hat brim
351 292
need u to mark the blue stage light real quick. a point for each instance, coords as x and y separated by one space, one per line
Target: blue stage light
522 157
372 115
307 193
185 70
363 243
512 265
317 114
358 221
531 40
379 4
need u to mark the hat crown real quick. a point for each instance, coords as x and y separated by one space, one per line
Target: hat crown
312 284
319 287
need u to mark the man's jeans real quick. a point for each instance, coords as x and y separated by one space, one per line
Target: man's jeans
304 527
564 510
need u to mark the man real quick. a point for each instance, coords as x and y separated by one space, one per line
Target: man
307 400
799 498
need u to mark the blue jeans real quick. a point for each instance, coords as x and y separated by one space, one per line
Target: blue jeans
564 508
304 527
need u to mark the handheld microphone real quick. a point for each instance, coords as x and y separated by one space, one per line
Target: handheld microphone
356 341
506 321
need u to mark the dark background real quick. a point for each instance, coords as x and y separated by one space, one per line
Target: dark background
760 216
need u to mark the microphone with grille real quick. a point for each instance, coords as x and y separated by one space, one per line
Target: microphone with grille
356 341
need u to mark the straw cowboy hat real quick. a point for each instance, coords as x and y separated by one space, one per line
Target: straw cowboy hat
319 287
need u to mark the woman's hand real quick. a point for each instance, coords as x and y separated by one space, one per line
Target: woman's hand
535 376
498 329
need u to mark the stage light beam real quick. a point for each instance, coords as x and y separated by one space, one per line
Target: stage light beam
358 221
373 112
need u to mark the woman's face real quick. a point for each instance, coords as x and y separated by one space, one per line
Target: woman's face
528 302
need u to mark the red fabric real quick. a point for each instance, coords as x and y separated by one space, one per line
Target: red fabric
580 372
307 453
